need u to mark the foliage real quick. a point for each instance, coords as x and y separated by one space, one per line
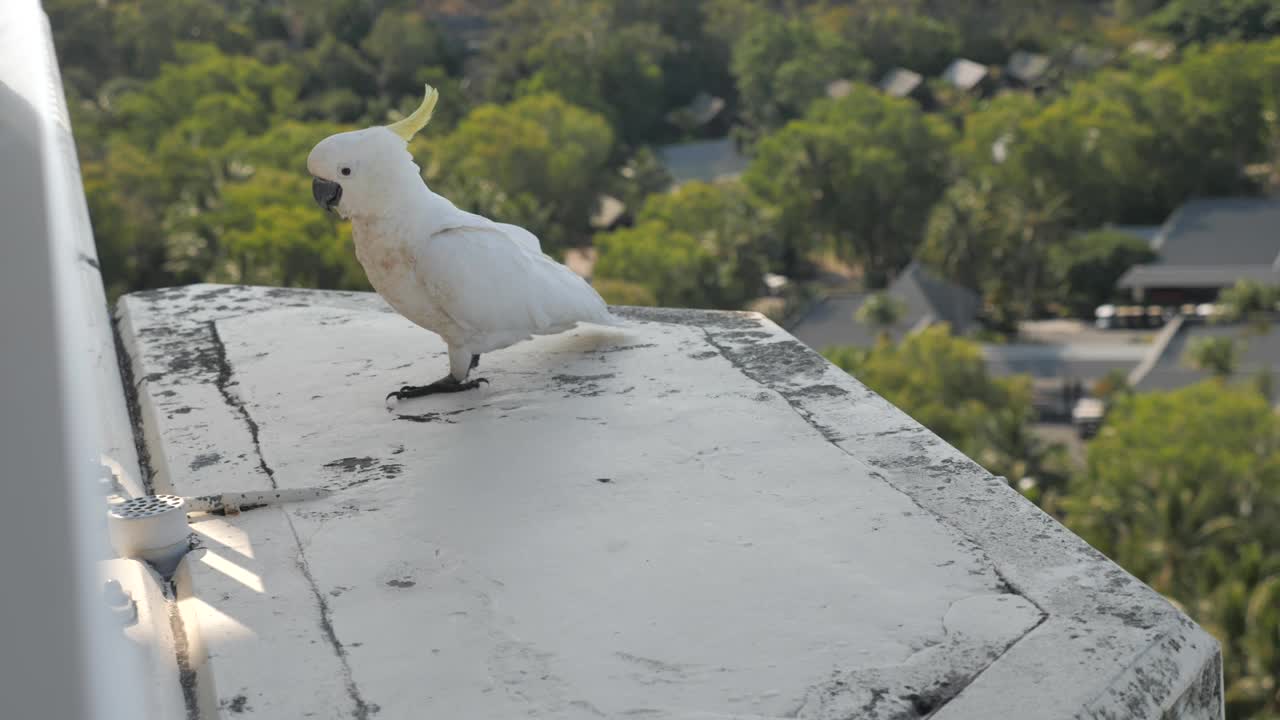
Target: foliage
195 174
1119 147
1251 302
1218 356
880 311
1112 385
588 53
672 265
535 162
892 33
782 66
998 239
1183 490
1087 266
717 253
859 173
1198 21
621 292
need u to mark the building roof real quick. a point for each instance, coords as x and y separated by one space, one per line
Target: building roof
900 82
1155 49
1088 57
837 89
925 299
609 210
692 516
705 160
1170 371
1212 242
1196 276
1083 362
830 323
965 74
1027 67
702 109
1146 233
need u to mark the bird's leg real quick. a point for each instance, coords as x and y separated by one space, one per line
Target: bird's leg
446 384
461 364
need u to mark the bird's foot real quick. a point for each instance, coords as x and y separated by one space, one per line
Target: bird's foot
445 385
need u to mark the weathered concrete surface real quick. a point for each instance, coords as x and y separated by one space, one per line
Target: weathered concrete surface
691 517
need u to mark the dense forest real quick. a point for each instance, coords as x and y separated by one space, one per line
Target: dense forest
193 119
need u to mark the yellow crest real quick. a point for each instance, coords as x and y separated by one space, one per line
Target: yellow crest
417 120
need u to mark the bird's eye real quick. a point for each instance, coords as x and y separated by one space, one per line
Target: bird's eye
346 171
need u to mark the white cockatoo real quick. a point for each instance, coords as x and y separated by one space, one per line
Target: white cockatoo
478 284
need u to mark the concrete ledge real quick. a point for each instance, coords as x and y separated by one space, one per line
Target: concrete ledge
692 517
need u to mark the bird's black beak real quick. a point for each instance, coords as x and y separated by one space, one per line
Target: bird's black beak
326 192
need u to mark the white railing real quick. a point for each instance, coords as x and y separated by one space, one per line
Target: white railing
62 410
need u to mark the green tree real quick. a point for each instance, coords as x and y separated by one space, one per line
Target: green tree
271 234
672 265
858 175
591 53
198 174
891 33
998 239
1218 356
537 162
1251 302
621 292
963 228
880 311
401 45
726 267
1087 266
1201 21
782 65
1183 490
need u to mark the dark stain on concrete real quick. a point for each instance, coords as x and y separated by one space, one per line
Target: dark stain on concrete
624 348
581 385
431 417
238 704
352 464
204 460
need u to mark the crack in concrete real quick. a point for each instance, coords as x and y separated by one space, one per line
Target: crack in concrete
187 676
793 400
235 402
363 709
134 407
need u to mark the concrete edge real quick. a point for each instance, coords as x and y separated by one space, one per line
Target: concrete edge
1057 571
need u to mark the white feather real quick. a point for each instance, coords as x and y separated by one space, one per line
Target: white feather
479 284
499 291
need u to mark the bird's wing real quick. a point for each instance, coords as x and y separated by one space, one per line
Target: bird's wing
523 237
499 292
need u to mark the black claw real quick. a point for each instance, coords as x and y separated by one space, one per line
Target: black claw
446 385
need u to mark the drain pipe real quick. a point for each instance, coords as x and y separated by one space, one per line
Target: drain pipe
153 528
